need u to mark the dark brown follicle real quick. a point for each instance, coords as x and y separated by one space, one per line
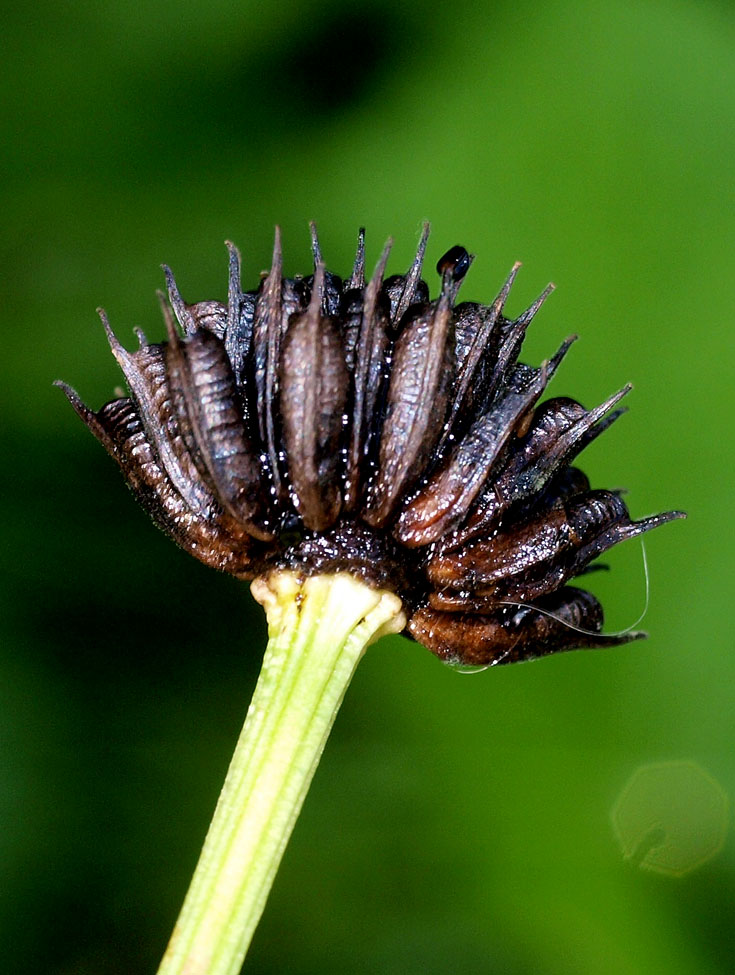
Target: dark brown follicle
535 555
418 394
368 375
440 505
212 410
330 426
568 619
267 329
314 384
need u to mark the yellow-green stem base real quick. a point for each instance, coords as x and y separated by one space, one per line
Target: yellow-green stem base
318 628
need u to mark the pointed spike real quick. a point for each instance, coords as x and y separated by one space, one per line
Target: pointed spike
551 365
626 529
141 337
585 431
587 427
277 259
609 420
507 356
628 637
117 349
596 417
502 296
183 315
317 292
168 318
414 273
529 314
177 368
511 346
648 524
315 248
376 280
372 291
75 399
89 417
357 280
632 529
476 350
234 290
599 411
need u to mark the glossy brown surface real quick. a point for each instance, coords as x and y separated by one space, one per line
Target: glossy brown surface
362 427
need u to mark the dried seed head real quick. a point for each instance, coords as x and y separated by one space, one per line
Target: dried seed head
329 426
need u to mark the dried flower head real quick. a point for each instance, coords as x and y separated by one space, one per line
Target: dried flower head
326 425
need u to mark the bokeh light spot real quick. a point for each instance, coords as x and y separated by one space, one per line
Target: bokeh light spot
671 817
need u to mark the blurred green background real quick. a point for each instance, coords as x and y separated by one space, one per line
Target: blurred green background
457 823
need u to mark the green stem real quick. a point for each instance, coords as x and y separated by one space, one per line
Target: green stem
318 629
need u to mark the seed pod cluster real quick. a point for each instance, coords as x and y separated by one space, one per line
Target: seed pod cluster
330 425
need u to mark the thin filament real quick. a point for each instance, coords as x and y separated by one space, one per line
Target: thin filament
579 629
471 669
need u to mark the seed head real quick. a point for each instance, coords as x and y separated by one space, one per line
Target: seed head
325 425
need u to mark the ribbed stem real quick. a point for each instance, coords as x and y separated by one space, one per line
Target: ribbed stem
318 629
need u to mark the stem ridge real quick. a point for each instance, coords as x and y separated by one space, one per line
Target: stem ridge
318 629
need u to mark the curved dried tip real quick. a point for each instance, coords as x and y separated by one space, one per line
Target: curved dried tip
183 315
132 365
89 417
643 525
172 333
115 345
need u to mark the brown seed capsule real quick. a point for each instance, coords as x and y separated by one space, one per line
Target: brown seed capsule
210 403
568 619
529 558
325 425
418 395
370 345
558 431
442 502
314 383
